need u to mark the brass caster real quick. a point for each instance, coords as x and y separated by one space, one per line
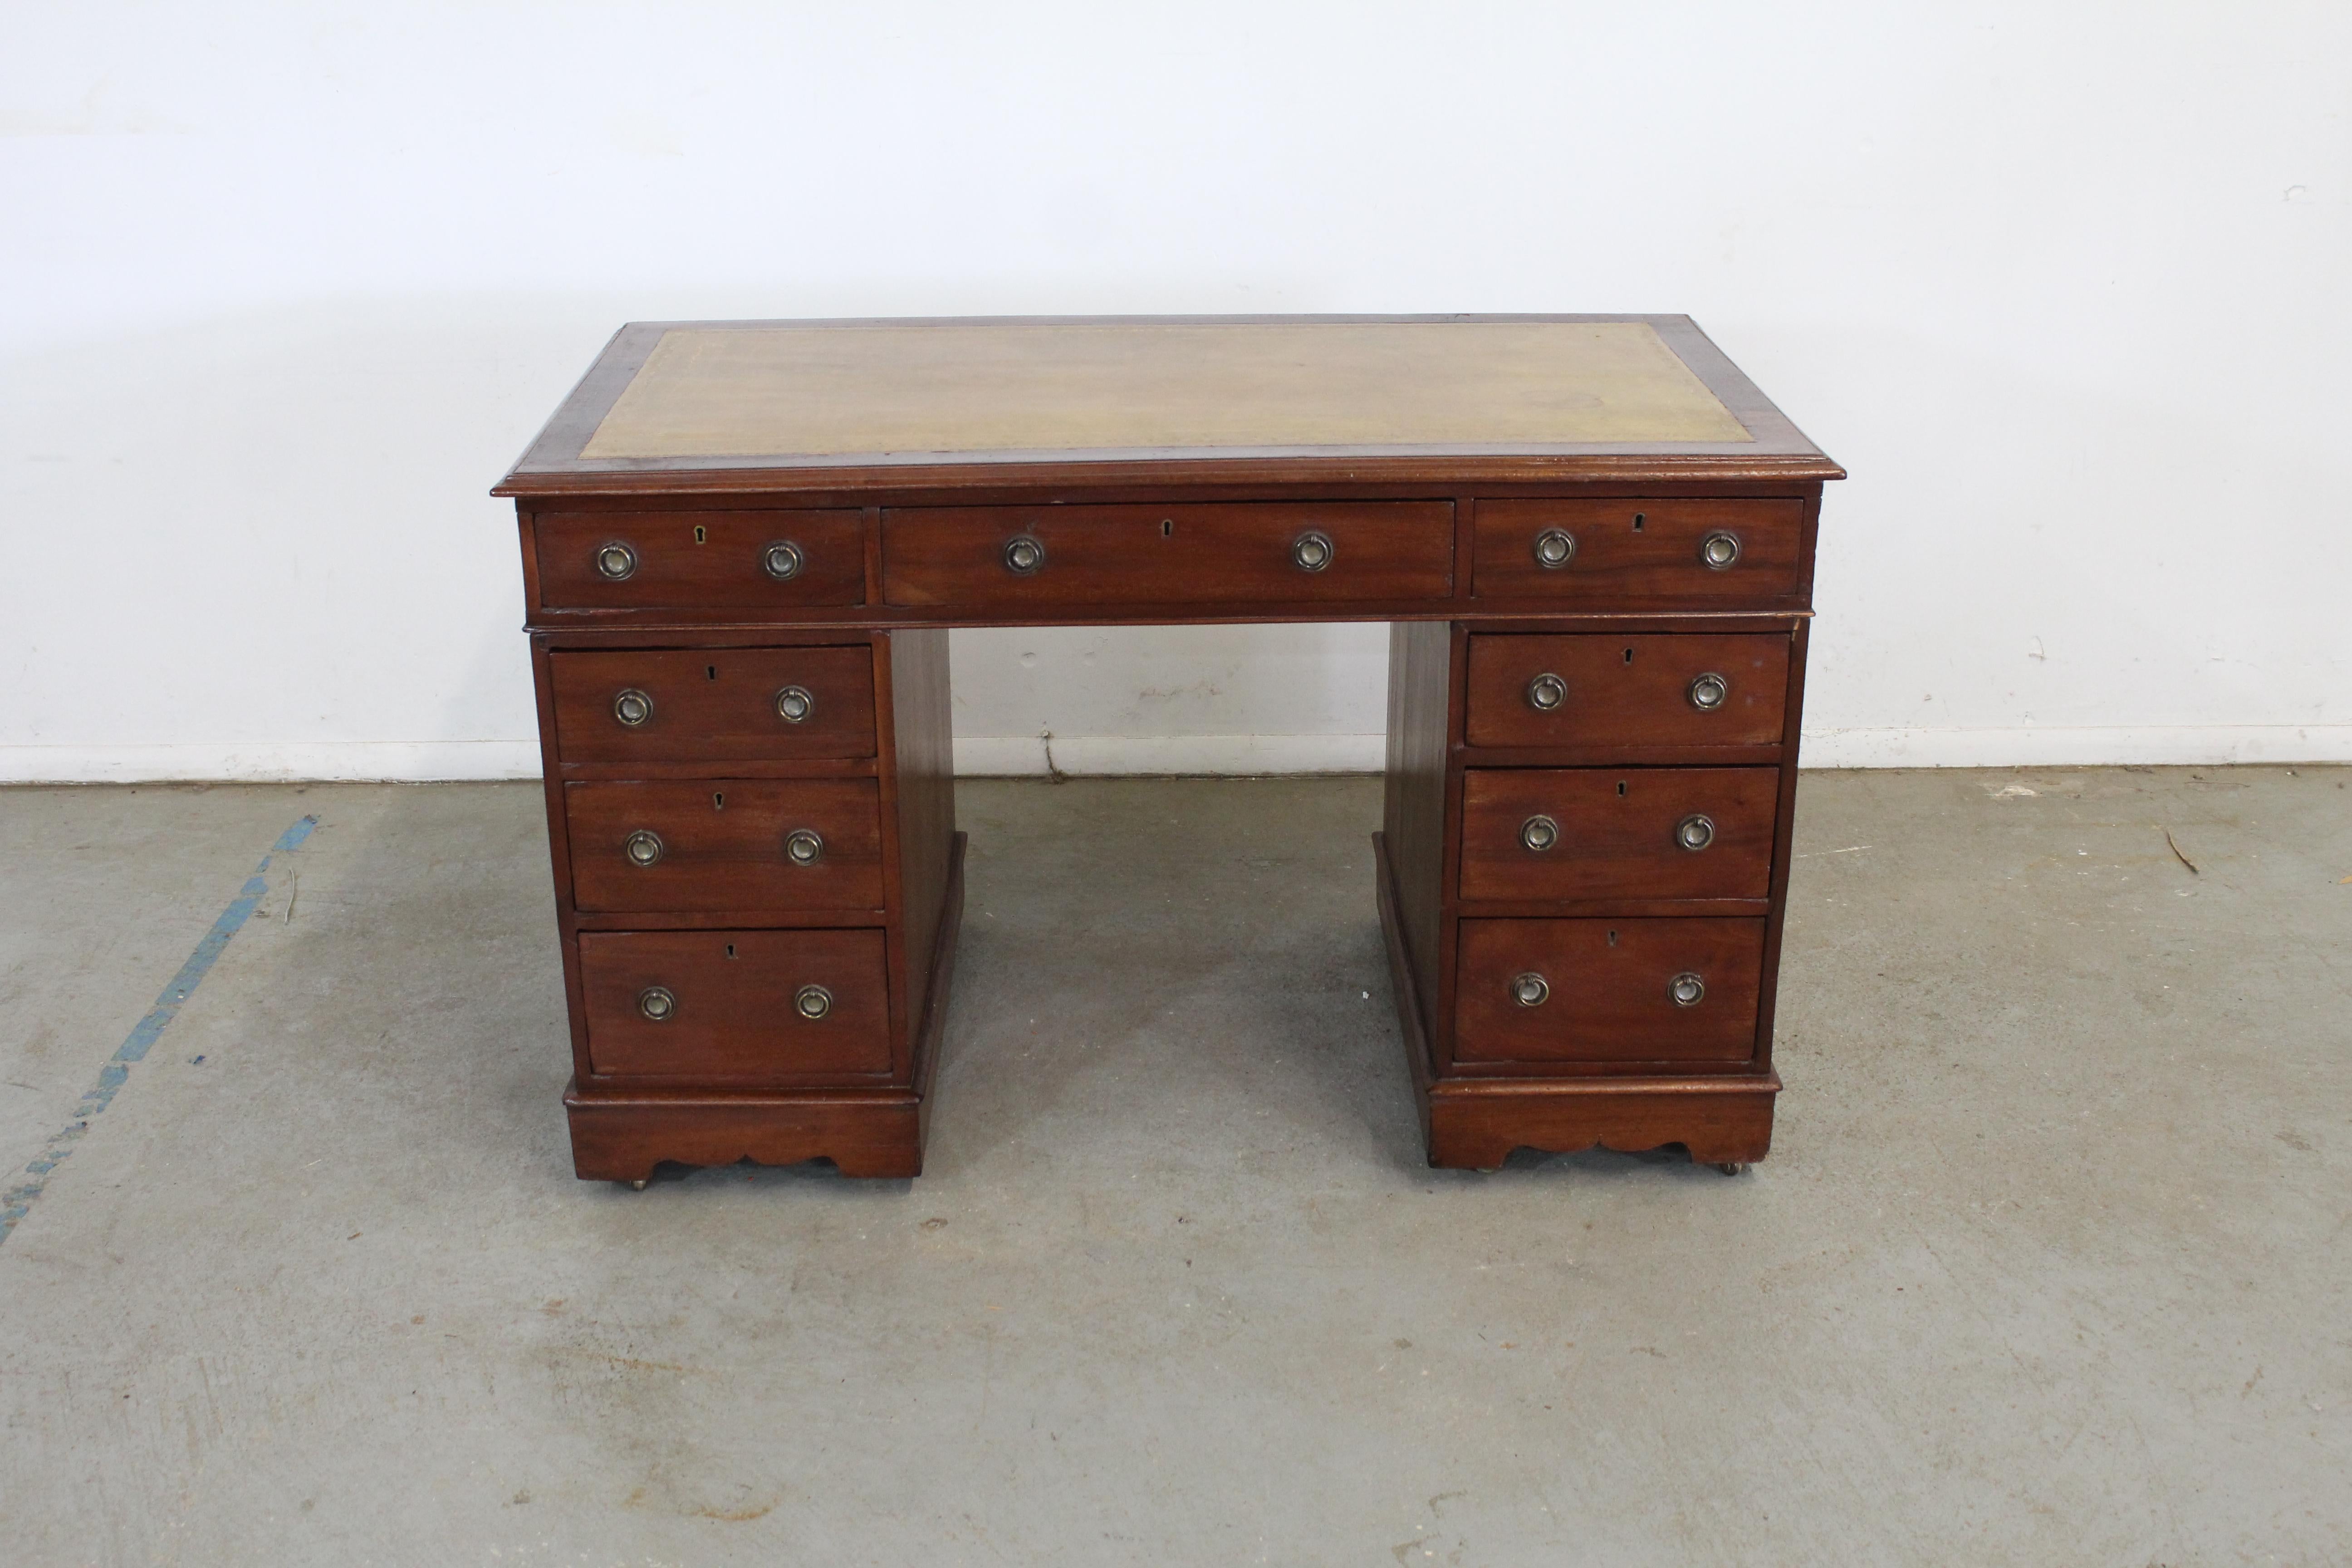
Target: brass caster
1731 1167
640 1186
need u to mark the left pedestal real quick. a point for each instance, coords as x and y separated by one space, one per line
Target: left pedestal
758 884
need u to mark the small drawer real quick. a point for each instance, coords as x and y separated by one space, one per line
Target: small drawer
714 704
1252 553
746 1005
1624 693
1619 550
1633 833
1607 990
699 560
726 844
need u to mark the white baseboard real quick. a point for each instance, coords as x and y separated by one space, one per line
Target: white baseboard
399 762
2078 746
1019 756
1023 756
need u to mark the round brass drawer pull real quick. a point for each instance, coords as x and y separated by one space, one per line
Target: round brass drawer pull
616 560
1023 555
1685 989
1555 548
633 707
803 846
782 560
644 848
1720 549
813 1002
1695 831
1529 990
1312 550
1539 833
658 1003
1708 693
794 704
1546 692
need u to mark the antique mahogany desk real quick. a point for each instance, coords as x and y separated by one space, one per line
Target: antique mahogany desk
742 546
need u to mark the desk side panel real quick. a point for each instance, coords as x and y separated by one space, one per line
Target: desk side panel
1414 818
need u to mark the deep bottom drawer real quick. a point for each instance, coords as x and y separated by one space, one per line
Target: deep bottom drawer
1607 990
753 1005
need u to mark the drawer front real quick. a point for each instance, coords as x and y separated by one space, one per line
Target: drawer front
1628 691
732 1004
1244 551
726 844
714 704
1606 991
1637 549
1633 833
699 560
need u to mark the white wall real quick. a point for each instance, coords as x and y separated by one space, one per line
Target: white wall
284 287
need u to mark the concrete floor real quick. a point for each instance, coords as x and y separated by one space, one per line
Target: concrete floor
2048 1264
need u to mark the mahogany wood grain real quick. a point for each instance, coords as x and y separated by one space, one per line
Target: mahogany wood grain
1228 554
1615 834
1629 691
714 705
1477 1122
735 1013
1413 809
1609 999
699 560
1638 548
623 1129
723 844
923 742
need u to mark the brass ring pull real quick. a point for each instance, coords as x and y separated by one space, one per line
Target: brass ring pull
1555 548
633 708
643 847
803 846
1529 990
615 560
1708 691
813 1002
658 1003
1539 833
1685 989
794 704
1312 550
1546 692
1720 549
782 560
1695 831
1023 555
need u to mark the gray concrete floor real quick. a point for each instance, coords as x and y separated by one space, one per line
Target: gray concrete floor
2048 1264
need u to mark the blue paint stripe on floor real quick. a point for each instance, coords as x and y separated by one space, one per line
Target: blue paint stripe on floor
18 1201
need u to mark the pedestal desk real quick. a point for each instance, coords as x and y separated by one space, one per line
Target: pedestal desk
743 544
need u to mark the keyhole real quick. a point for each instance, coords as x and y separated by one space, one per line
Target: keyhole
1629 656
1639 519
699 535
731 946
1167 528
718 800
1612 942
709 672
1620 787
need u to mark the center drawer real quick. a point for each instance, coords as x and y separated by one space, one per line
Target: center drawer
726 844
1249 551
1618 833
747 1004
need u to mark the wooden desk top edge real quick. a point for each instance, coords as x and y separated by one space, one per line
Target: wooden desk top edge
553 467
